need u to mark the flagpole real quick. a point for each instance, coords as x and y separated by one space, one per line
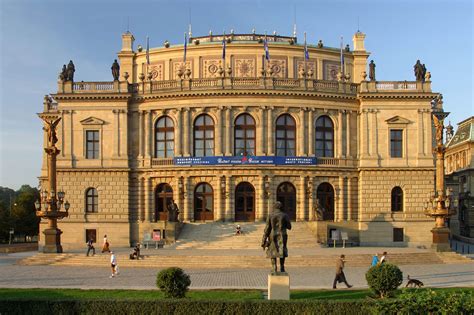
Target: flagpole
342 58
305 52
223 52
147 53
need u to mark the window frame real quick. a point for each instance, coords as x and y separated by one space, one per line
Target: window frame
393 141
285 128
164 130
324 129
245 138
204 127
93 142
396 199
92 207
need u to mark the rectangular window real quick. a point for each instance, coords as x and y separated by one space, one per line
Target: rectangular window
92 144
396 143
398 234
91 234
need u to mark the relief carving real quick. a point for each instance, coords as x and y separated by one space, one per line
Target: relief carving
278 67
310 68
330 70
244 67
179 65
156 70
210 68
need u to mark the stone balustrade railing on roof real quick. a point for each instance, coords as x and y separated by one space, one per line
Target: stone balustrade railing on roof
231 83
227 83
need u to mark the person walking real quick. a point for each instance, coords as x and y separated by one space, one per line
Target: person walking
90 246
340 276
105 245
383 259
375 260
113 264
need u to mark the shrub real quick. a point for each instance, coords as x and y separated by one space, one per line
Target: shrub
429 302
173 282
384 279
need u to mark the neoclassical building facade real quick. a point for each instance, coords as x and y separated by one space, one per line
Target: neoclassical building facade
227 137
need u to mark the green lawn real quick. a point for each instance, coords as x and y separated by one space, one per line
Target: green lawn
75 294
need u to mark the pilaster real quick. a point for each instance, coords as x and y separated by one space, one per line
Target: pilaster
348 133
188 198
301 145
228 133
148 200
260 149
339 134
229 211
270 133
219 132
186 132
301 204
115 151
311 139
178 134
123 152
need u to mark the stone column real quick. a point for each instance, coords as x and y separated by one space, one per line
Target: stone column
188 200
146 141
365 133
272 196
186 132
421 147
148 199
311 136
339 135
340 202
229 212
348 134
141 207
301 203
270 132
141 146
350 196
301 144
218 204
178 134
311 201
260 213
63 134
218 138
374 133
260 132
428 131
71 130
116 133
123 152
228 133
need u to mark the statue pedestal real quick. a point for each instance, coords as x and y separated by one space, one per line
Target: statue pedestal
441 239
279 286
52 241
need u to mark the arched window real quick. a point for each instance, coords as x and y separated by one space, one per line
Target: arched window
324 137
285 136
164 138
325 200
244 135
163 196
286 194
204 136
92 200
397 199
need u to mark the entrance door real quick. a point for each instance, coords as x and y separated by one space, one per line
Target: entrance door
203 202
286 194
244 202
163 195
325 195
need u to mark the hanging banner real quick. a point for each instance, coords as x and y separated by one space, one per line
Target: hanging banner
245 160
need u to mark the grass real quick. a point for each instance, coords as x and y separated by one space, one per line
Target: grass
77 294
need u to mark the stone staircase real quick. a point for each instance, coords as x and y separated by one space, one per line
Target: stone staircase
215 245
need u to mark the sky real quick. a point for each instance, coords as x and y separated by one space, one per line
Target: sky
38 36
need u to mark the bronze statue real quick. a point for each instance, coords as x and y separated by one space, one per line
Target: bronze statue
319 211
50 128
423 72
115 70
320 44
348 48
70 71
418 68
372 70
63 74
275 237
173 211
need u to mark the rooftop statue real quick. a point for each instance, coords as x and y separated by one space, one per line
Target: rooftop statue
70 71
115 70
275 237
372 70
419 71
63 73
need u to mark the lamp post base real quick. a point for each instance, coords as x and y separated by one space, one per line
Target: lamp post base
441 239
52 241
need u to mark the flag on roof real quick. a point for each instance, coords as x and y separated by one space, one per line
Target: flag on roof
147 50
306 52
185 46
265 47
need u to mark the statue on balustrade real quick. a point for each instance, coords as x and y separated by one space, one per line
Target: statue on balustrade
115 70
70 71
372 70
63 73
423 67
275 237
419 72
173 211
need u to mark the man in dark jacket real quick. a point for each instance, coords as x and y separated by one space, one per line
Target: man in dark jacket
275 237
340 276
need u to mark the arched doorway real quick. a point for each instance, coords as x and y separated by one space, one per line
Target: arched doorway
163 195
286 194
244 202
325 195
203 202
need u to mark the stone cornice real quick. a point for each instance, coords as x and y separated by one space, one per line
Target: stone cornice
406 95
91 96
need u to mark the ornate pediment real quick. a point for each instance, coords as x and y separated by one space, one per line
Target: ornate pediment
398 120
92 121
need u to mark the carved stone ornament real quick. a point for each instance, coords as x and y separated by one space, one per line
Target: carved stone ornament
364 75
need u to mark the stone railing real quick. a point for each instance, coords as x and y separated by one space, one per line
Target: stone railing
219 83
161 161
320 162
395 86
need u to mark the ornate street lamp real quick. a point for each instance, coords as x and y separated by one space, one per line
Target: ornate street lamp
439 204
51 202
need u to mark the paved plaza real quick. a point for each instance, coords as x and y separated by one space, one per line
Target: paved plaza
86 277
